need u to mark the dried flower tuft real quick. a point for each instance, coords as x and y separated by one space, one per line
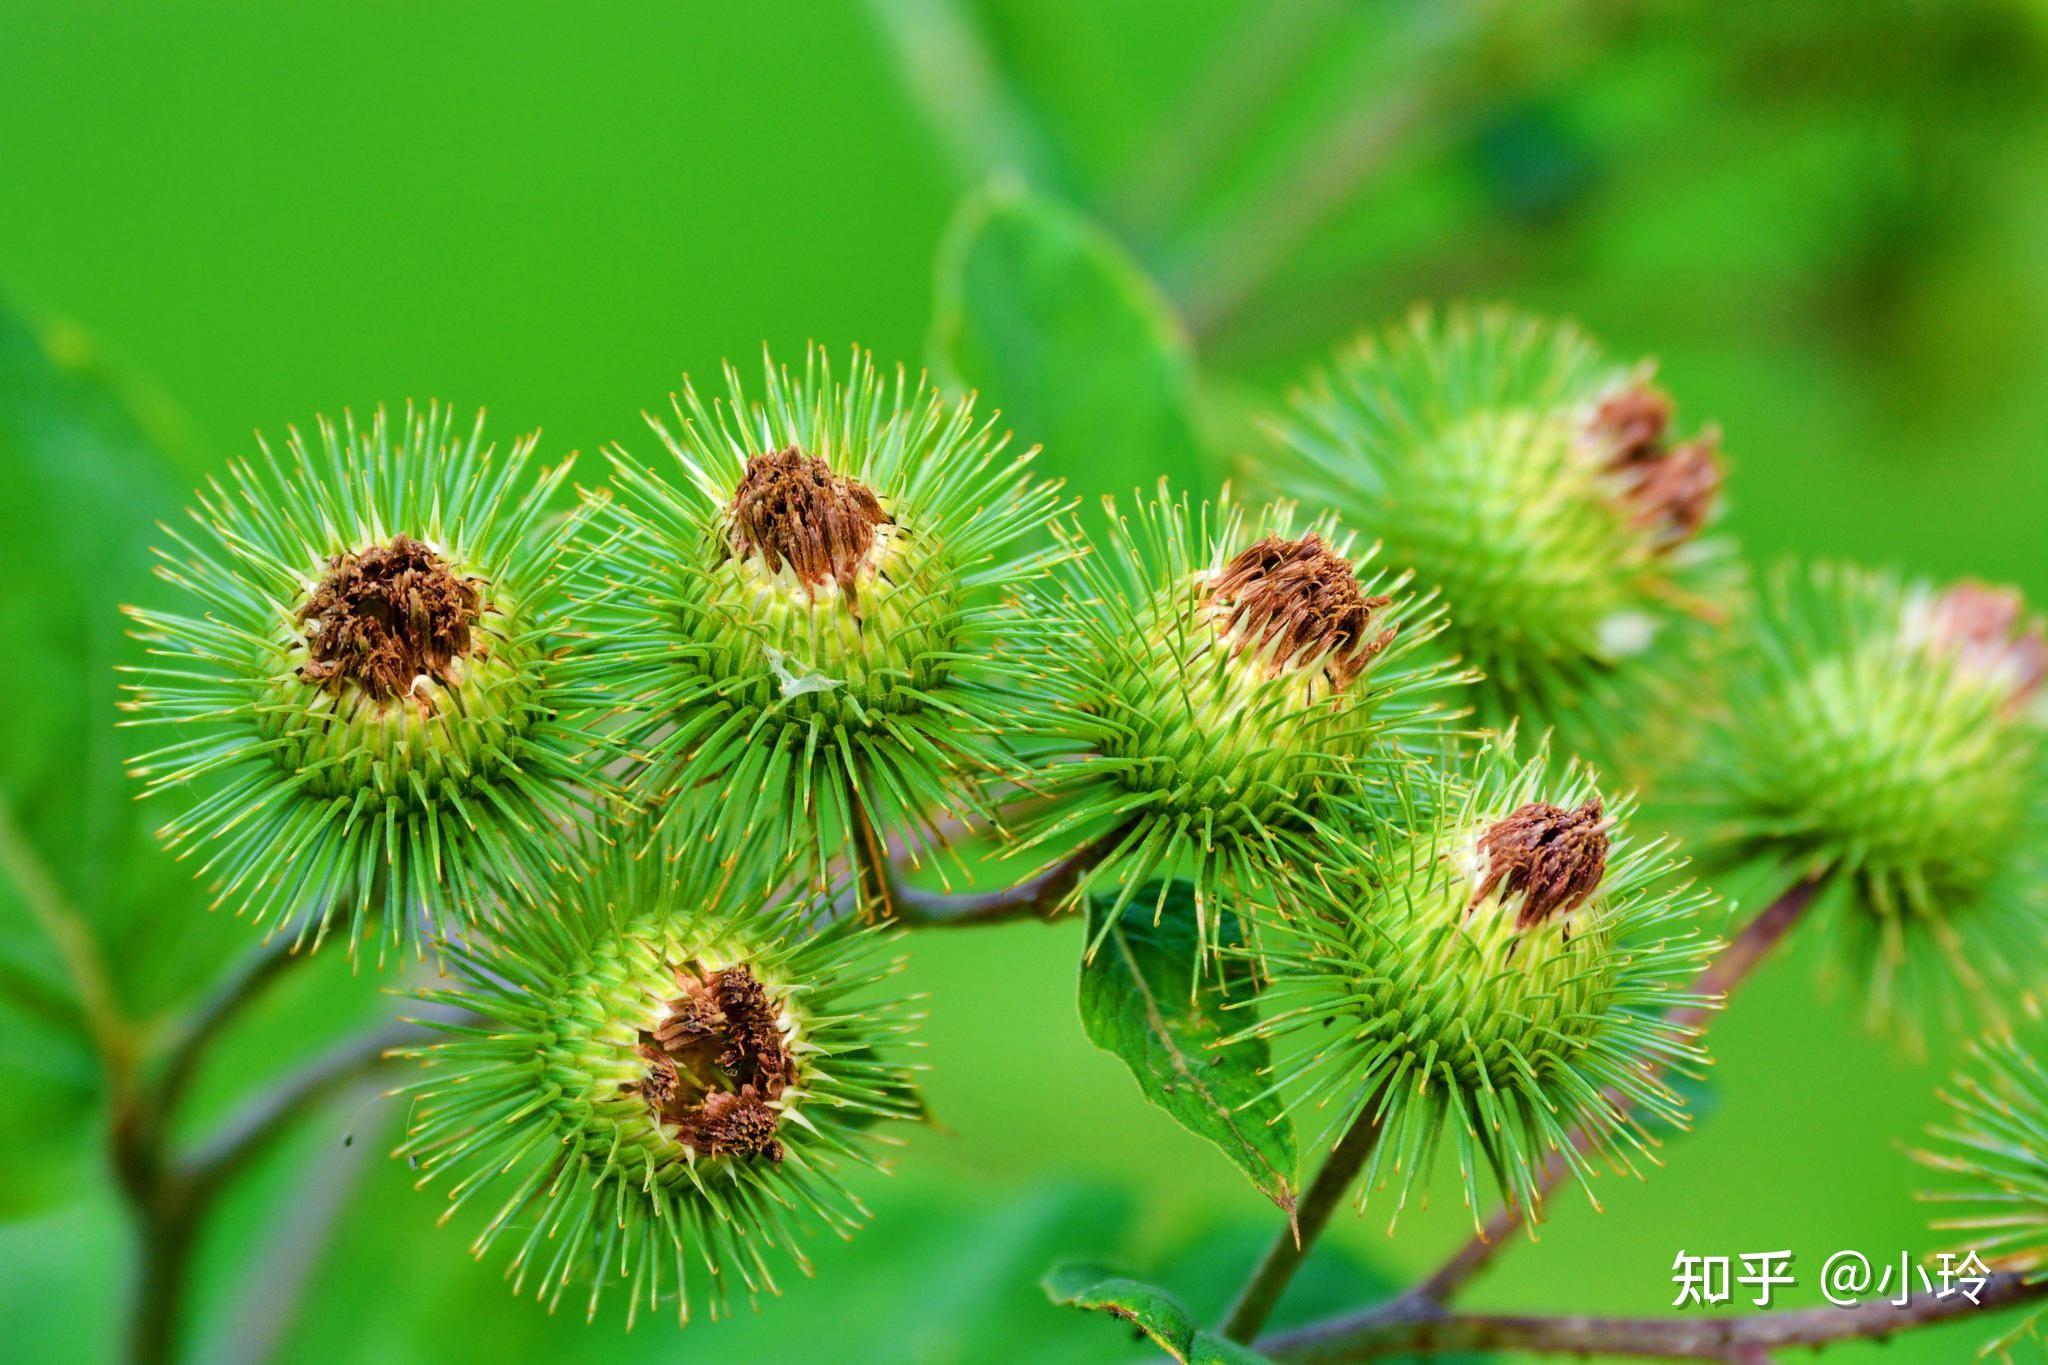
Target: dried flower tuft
1551 857
718 1063
822 586
1629 424
1224 700
1987 630
384 617
1677 493
1298 604
791 509
366 690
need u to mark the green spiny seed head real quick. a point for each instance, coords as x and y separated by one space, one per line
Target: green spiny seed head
1890 736
811 630
1536 486
363 682
1510 967
1224 697
1994 1149
645 1080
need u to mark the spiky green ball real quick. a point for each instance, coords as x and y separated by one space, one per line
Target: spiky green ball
331 781
540 1108
1440 1004
1191 741
1994 1149
1472 444
1910 773
791 698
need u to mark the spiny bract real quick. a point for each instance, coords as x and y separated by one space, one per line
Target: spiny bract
1532 483
1892 738
1223 700
1995 1147
811 639
647 1077
1511 964
365 680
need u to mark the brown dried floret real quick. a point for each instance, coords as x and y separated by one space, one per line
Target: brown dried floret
790 508
1677 492
1553 857
662 1080
1988 628
383 617
1302 600
730 1125
1629 425
716 1064
1670 490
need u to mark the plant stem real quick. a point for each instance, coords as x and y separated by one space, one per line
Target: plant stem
270 1306
73 938
1444 54
207 1020
1261 1294
1717 981
258 1125
1040 896
1256 56
1404 1328
170 1195
169 1228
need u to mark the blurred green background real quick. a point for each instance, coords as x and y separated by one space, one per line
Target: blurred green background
1829 222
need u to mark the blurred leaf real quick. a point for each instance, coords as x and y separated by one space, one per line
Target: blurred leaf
52 1082
1151 1310
1046 315
944 1273
1136 1003
84 485
88 482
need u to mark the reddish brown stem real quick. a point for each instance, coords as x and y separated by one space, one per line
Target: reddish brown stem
1403 1328
1041 896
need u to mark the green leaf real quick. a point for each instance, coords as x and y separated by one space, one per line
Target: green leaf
1141 1000
85 486
1054 323
1150 1309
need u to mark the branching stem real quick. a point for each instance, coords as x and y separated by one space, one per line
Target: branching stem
169 1194
1423 1306
208 1019
1409 1328
1040 896
67 931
